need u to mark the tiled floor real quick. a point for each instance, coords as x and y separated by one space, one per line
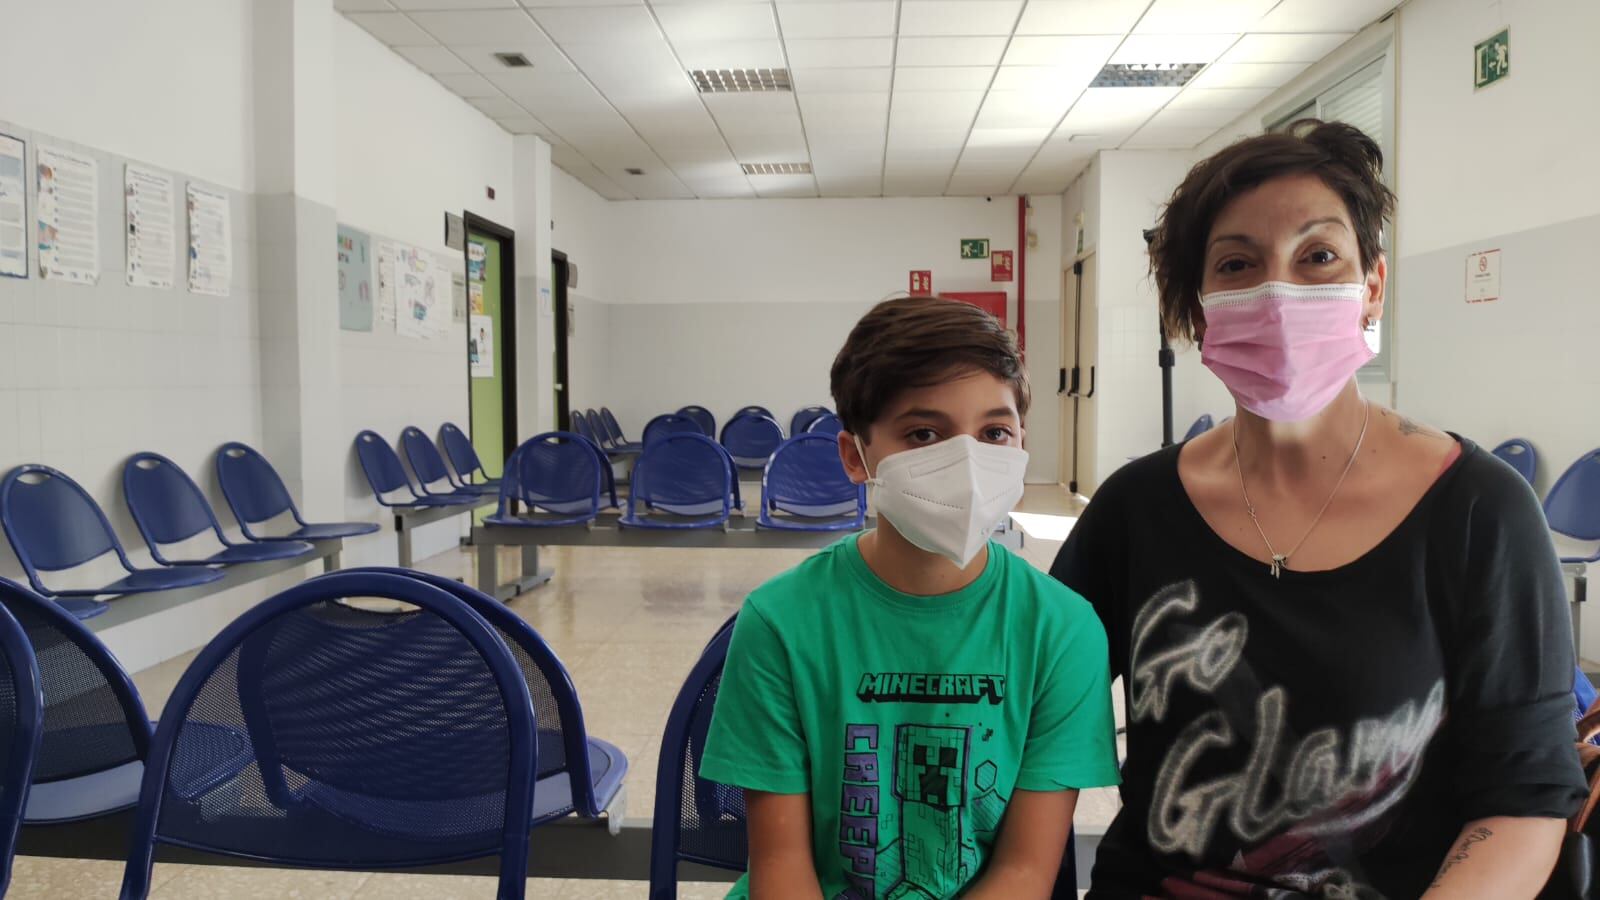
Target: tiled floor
628 624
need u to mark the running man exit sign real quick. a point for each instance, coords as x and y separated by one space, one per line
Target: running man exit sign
1491 60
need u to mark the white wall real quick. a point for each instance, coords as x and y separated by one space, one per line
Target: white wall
582 229
408 150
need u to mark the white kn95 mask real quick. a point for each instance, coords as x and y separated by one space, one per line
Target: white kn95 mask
946 498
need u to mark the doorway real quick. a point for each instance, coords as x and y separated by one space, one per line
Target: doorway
1080 354
560 274
491 342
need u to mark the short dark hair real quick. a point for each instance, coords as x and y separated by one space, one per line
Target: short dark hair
917 342
1347 160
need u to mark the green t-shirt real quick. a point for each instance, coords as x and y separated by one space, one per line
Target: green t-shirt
910 720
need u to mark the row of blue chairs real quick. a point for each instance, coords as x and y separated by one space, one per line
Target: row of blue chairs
276 746
682 480
54 525
437 484
750 436
1572 508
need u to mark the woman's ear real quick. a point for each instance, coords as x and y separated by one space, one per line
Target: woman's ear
1377 283
850 454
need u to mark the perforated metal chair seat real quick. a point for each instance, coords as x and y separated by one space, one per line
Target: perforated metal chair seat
322 531
552 794
143 581
543 521
248 553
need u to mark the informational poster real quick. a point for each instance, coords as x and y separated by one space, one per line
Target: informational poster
415 297
443 306
475 259
13 208
480 346
475 296
355 280
210 242
69 216
1000 265
386 254
921 282
152 227
1483 276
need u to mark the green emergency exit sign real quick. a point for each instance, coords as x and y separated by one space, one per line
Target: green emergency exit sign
1491 60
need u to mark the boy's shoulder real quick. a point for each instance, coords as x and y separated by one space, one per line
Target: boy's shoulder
788 592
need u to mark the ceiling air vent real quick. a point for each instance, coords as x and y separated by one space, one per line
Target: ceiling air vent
1146 74
631 170
777 168
513 60
739 81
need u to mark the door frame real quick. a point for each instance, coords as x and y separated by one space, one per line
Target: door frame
562 375
506 330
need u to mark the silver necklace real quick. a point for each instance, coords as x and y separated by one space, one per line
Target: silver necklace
1278 559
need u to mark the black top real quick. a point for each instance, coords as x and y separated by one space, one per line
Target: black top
1331 732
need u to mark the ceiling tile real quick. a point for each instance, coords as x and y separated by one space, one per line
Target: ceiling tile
478 28
688 22
949 51
391 28
1320 15
768 147
761 106
647 69
534 45
839 53
724 168
1173 116
1247 75
1173 48
841 80
538 89
434 60
536 4
855 18
720 187
934 110
1239 99
1152 137
1072 51
469 85
1112 113
1280 48
1080 16
1049 179
784 185
524 125
731 54
850 186
845 112
1044 79
968 18
497 107
683 116
1203 16
914 185
656 186
610 24
1008 139
363 6
409 5
1023 109
914 152
943 78
982 184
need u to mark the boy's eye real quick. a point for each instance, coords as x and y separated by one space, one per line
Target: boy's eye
997 434
922 436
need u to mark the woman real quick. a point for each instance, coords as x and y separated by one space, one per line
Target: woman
1342 635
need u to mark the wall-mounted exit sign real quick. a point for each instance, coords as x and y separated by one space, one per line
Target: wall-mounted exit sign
1491 60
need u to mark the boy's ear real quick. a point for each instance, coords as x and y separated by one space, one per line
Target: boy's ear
854 465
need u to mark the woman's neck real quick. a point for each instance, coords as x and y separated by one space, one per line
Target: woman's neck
1283 452
911 570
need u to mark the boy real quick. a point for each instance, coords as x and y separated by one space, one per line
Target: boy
912 711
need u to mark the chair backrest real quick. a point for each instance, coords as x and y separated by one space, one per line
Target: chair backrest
93 718
751 438
1520 455
612 429
827 423
1200 426
1573 505
670 423
583 426
458 447
602 437
563 740
755 411
559 472
701 417
427 463
52 522
803 418
313 733
683 470
695 820
21 724
381 464
251 485
806 477
608 476
166 504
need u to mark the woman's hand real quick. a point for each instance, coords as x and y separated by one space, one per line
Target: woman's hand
1501 857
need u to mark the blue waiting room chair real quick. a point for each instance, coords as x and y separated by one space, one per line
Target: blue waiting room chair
806 480
619 442
701 417
558 476
826 424
670 423
1200 426
802 419
436 766
21 727
577 773
756 411
696 820
463 456
257 495
433 476
169 508
751 439
54 525
389 482
96 734
1573 505
587 427
1520 455
686 475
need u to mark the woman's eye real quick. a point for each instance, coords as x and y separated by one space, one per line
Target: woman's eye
922 436
1232 266
1322 257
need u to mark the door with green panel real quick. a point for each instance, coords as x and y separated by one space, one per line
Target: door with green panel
491 344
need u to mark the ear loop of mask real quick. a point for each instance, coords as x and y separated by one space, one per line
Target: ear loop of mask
862 451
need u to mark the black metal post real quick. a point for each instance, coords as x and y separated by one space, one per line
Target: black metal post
1166 359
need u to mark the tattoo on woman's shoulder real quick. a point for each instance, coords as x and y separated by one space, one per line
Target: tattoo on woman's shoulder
1408 427
1462 851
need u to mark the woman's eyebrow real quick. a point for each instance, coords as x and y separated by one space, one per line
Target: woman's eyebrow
1325 220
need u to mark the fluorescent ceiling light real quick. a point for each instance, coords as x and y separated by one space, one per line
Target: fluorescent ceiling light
798 168
1145 75
739 81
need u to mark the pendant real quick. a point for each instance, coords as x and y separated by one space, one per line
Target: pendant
1278 559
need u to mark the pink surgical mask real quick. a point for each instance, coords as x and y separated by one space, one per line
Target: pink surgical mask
1285 350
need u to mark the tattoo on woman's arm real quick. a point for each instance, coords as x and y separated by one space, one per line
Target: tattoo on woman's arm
1462 851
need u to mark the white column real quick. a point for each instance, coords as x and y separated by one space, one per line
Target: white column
536 348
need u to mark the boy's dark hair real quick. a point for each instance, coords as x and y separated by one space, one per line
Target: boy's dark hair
916 342
1347 161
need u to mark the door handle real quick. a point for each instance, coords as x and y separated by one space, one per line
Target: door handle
1091 384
